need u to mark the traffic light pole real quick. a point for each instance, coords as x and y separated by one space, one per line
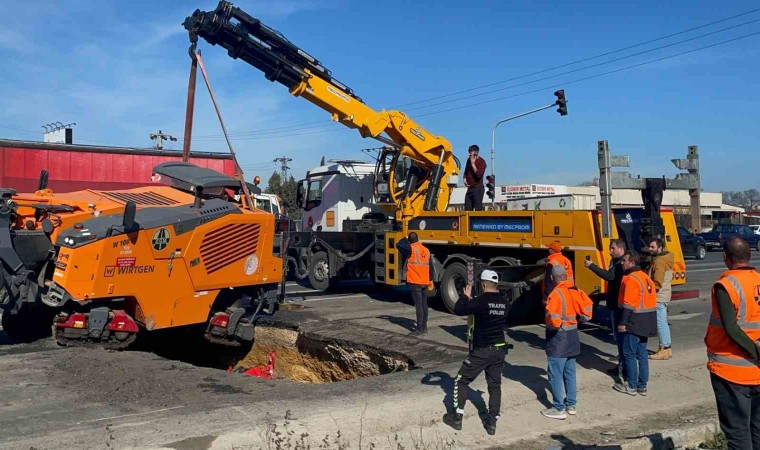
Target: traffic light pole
493 140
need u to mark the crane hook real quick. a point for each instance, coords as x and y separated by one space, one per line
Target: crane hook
193 45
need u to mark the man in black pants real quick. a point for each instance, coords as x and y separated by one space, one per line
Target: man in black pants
474 171
613 275
487 351
418 272
733 347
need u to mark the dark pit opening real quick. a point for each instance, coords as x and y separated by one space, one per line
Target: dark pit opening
299 356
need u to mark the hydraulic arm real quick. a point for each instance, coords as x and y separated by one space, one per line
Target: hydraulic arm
424 185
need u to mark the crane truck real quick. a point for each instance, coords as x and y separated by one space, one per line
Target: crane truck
413 179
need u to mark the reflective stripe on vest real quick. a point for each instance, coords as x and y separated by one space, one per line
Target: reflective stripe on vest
732 360
418 266
565 318
642 299
727 359
741 316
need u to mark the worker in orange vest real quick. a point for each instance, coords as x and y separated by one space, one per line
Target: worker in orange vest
638 322
733 347
564 307
556 258
419 277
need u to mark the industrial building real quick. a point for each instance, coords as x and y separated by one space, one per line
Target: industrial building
547 196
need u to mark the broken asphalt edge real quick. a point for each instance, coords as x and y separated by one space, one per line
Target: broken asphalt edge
672 438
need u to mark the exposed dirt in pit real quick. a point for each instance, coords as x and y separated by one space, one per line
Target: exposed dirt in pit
312 358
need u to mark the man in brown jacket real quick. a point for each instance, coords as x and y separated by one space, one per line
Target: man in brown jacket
661 272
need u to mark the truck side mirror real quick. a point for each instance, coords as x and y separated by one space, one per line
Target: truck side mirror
301 194
128 220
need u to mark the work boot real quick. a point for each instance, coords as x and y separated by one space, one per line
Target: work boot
662 354
454 420
489 422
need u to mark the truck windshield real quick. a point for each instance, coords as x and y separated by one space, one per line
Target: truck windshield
264 205
315 191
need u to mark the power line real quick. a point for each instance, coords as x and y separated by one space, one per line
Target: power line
298 127
584 68
553 85
273 130
582 60
592 76
287 135
19 129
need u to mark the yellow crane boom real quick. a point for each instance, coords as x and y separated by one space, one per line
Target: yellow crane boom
425 185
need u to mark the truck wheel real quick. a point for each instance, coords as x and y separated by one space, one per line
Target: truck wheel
319 272
453 281
702 252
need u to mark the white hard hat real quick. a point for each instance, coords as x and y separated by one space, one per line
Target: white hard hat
489 275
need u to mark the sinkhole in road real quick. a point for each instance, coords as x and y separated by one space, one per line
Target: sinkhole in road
299 356
313 358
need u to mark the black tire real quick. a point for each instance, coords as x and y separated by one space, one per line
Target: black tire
319 272
702 252
453 281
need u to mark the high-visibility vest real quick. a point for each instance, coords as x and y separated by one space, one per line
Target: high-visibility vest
638 293
418 265
565 304
724 357
559 259
556 259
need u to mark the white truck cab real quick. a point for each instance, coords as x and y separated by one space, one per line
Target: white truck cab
340 190
269 203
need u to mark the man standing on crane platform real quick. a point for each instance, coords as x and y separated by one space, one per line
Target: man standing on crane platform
474 171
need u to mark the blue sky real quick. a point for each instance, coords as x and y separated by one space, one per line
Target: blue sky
119 70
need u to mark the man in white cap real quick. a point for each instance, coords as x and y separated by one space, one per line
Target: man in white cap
488 349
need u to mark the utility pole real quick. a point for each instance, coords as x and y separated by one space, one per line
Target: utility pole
651 189
284 160
159 138
691 164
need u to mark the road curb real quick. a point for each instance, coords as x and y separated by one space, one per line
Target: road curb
674 438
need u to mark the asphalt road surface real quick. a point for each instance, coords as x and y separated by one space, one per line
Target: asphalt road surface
52 397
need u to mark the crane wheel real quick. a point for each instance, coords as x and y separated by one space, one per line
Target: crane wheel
453 281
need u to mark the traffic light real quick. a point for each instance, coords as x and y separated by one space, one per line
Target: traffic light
561 102
491 186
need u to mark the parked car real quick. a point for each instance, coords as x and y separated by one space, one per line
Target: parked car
755 228
691 244
724 231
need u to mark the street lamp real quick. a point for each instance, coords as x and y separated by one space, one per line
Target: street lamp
562 110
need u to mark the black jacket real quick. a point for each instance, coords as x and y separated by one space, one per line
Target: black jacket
613 276
490 312
640 324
